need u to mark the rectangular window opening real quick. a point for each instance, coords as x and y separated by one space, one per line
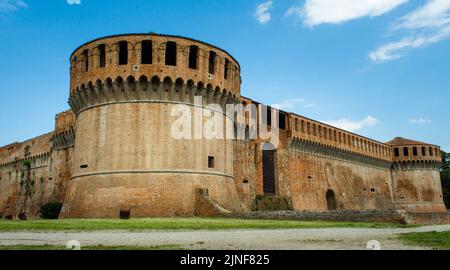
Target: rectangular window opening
405 151
211 164
102 55
123 53
171 53
282 124
86 60
212 62
227 65
146 52
193 57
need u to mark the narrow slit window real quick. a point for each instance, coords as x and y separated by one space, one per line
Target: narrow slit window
225 72
86 60
123 53
269 116
146 52
171 53
102 55
212 62
282 124
193 57
211 164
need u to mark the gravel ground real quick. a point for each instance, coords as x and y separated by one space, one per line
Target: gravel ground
291 239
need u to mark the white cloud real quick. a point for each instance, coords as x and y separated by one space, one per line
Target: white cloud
262 13
74 2
351 125
426 25
419 121
11 5
291 104
315 12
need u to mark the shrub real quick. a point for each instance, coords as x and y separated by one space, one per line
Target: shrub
51 210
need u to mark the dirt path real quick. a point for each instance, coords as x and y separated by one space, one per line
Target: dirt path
297 239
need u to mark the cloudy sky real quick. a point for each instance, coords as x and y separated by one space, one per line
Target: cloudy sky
376 67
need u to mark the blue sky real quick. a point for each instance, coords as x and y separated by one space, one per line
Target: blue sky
379 68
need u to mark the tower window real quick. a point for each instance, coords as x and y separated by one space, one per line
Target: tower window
211 162
212 62
225 72
102 55
146 52
171 53
123 53
269 116
396 152
405 151
193 57
282 124
86 60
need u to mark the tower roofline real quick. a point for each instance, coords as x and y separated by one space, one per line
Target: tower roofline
155 34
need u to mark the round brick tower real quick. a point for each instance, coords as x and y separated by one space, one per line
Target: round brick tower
416 179
123 90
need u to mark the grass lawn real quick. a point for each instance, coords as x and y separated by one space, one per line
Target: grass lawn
47 247
176 224
436 240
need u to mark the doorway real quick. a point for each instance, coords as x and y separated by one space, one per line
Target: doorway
331 200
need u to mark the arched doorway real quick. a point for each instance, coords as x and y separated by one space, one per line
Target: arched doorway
331 200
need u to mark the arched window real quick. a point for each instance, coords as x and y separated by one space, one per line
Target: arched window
308 128
146 52
415 152
193 57
431 152
123 53
102 55
296 124
212 62
424 151
303 126
171 53
86 60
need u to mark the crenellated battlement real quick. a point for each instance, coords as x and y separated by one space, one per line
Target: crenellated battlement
149 55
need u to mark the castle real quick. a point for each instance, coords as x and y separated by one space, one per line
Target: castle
115 150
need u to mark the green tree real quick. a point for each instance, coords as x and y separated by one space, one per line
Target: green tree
445 178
